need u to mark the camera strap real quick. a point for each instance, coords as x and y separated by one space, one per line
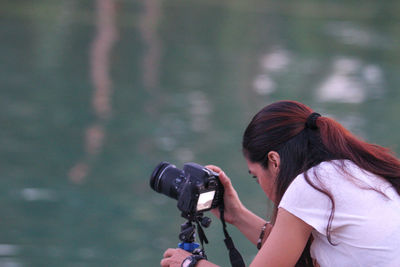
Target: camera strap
234 255
202 235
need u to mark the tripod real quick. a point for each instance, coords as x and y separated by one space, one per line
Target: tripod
188 234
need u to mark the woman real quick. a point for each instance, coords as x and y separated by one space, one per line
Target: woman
337 198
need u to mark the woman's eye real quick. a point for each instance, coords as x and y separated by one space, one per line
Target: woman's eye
255 177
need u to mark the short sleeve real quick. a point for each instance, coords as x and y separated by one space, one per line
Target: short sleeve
307 203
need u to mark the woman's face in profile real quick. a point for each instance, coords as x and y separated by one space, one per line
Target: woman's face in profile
265 177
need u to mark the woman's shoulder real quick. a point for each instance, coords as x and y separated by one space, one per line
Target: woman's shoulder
327 171
335 165
345 177
331 170
331 176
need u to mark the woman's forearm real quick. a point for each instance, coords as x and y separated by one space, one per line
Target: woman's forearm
205 263
250 225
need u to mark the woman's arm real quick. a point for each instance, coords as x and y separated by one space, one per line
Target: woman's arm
285 243
250 225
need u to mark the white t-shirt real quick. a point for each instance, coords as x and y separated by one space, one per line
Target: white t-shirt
366 224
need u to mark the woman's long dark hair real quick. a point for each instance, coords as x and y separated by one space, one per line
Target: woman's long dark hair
281 127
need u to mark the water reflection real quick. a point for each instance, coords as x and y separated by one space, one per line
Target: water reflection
351 81
350 33
106 36
342 85
9 254
200 110
9 262
38 194
271 64
149 31
7 250
170 88
277 60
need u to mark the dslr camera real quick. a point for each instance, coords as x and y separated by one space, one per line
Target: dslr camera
196 187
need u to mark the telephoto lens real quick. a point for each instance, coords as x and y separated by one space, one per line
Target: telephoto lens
167 179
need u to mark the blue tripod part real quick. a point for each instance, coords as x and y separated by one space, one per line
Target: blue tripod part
189 247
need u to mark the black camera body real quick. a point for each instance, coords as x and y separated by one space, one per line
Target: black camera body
196 188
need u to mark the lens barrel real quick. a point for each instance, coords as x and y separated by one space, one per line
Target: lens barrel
166 179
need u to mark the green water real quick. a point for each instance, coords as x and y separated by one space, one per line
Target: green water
93 94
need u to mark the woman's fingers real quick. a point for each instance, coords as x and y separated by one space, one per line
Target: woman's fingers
169 252
226 182
164 262
213 168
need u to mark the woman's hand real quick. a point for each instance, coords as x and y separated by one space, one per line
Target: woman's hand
173 257
233 205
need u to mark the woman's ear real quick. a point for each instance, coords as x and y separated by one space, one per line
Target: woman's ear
274 159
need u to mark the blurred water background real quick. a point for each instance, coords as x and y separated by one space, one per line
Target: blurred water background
95 93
